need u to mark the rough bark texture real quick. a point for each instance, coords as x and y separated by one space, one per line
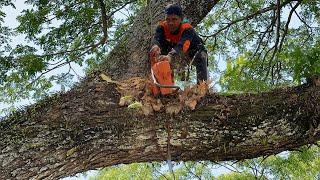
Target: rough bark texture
85 129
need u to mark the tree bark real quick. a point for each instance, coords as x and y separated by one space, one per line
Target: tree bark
86 129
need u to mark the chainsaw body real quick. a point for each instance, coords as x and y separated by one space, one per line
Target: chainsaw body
162 76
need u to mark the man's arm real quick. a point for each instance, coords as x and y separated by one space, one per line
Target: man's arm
156 43
159 38
183 46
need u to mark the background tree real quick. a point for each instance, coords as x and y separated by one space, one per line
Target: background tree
253 37
301 164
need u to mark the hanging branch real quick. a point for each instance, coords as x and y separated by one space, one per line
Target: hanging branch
248 17
191 172
287 24
308 27
276 67
104 19
275 47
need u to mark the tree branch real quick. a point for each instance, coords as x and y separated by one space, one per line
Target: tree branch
293 9
275 47
248 17
85 129
104 20
190 171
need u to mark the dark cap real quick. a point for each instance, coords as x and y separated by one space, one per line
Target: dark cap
174 9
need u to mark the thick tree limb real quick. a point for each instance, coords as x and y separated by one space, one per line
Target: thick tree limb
85 129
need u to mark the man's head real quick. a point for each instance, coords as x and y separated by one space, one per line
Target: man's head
174 17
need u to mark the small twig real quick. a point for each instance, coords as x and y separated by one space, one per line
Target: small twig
233 170
79 77
302 20
161 174
43 73
270 62
53 64
276 44
274 19
71 51
261 40
191 171
68 71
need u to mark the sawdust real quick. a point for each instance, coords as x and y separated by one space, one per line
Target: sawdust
137 89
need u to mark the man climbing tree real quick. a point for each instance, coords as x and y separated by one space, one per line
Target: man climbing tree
179 41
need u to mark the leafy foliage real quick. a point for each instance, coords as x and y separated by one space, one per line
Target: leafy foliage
132 171
59 35
254 31
186 170
304 62
302 164
240 75
238 176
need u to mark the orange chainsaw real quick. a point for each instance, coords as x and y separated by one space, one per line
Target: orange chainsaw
162 75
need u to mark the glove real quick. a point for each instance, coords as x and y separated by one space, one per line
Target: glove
168 57
173 53
176 60
165 58
155 51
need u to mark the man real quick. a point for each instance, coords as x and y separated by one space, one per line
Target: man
180 42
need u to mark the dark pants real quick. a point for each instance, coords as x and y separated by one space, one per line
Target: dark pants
201 63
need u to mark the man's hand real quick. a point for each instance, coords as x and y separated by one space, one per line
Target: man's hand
155 51
165 58
169 57
177 60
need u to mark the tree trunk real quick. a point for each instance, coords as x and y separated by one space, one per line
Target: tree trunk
130 56
86 129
